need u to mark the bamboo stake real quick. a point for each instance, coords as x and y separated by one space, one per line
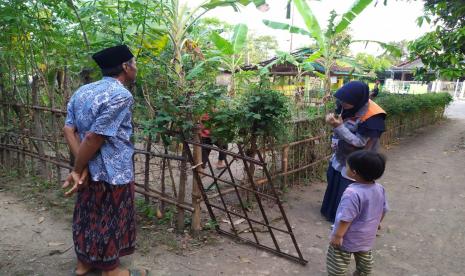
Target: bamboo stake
285 163
150 193
147 167
196 194
264 180
182 193
5 120
173 182
37 127
163 188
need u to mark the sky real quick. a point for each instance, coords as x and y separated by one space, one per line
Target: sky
394 22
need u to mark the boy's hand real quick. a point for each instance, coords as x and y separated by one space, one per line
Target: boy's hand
336 241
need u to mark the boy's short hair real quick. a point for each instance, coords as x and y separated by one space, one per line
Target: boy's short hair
369 165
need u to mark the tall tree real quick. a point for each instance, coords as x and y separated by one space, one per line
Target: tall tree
260 48
374 65
442 50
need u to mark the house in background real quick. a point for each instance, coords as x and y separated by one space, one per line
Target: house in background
404 71
400 79
285 76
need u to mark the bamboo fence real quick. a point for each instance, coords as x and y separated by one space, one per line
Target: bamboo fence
31 142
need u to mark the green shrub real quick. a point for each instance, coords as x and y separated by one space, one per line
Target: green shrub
400 104
259 112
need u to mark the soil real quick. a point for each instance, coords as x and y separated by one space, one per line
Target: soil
421 235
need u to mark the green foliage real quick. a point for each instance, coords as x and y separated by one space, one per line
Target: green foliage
210 225
399 104
442 50
239 38
222 44
283 26
230 52
312 24
168 216
147 209
375 65
263 112
350 15
259 112
172 111
259 48
317 111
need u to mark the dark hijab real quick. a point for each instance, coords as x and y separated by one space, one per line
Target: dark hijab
355 93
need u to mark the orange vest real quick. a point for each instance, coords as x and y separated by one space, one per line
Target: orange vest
373 109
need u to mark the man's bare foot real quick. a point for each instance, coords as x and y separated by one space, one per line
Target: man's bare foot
82 268
220 165
126 272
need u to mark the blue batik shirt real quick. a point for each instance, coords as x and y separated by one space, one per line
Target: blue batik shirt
104 107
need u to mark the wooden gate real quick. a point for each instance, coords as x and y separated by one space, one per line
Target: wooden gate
229 202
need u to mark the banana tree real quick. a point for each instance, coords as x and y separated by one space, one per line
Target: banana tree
230 52
179 19
329 46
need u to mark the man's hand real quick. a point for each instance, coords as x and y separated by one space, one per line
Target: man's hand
336 241
334 120
78 182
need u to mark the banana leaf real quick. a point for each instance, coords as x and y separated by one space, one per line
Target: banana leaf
312 24
350 15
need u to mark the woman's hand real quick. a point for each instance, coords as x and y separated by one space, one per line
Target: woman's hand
334 120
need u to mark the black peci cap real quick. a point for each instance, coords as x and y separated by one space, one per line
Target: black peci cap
113 56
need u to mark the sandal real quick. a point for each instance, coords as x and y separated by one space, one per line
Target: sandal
137 272
85 273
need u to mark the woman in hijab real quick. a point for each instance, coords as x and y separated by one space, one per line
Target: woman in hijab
357 124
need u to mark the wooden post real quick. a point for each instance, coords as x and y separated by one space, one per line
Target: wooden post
196 195
38 130
5 119
181 192
285 163
147 167
55 127
163 186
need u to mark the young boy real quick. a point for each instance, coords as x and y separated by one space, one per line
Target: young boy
358 216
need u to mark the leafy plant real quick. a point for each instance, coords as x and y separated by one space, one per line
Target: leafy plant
147 209
210 225
258 113
230 51
168 216
441 50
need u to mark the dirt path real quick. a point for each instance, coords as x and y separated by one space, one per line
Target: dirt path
422 235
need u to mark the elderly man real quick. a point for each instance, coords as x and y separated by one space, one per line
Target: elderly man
98 130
